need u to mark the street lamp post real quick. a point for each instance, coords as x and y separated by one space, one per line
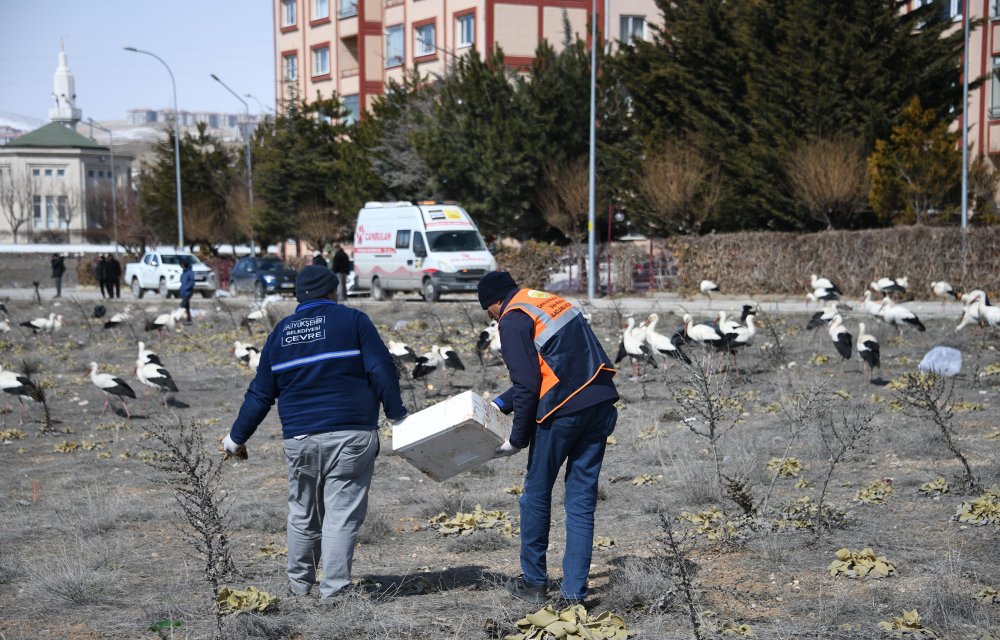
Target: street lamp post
965 130
177 146
114 180
246 152
260 104
591 178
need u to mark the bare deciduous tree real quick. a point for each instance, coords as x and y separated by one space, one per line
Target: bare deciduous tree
15 214
680 187
829 176
563 201
320 226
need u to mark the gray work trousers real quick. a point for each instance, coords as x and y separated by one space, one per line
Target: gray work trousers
328 479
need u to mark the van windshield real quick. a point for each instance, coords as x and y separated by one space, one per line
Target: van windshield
455 241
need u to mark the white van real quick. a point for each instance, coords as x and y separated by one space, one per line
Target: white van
431 247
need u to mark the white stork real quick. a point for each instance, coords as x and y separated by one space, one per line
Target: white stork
824 295
821 318
146 356
661 343
842 340
19 386
247 354
489 341
154 376
899 316
987 315
816 282
117 319
868 350
111 385
163 321
633 345
890 285
4 326
944 291
44 325
439 357
869 306
707 287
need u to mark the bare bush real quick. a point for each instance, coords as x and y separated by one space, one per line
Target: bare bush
928 397
482 542
644 585
845 431
193 478
829 176
531 264
681 188
564 201
772 262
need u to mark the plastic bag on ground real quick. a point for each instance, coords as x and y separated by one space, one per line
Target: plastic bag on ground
944 361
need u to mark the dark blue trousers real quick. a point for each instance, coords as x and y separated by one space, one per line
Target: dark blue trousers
579 440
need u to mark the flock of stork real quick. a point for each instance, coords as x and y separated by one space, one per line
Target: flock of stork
149 370
641 342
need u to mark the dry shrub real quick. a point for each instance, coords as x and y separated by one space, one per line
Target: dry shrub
375 528
530 264
624 261
78 577
830 177
644 585
482 541
771 262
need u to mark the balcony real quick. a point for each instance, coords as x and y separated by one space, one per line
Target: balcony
347 10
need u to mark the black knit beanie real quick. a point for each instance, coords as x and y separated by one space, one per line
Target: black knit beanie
314 282
494 287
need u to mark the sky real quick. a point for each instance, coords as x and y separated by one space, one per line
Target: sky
231 38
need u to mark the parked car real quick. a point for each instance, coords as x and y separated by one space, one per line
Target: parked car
161 271
262 276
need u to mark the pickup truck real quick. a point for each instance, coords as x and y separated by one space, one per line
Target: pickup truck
161 271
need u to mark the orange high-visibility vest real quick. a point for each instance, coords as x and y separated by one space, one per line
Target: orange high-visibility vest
569 354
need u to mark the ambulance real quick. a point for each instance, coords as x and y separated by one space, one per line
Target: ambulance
429 247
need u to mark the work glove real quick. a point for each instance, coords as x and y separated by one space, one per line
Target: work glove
397 421
504 450
232 450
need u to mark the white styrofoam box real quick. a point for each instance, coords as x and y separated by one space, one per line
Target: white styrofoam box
452 436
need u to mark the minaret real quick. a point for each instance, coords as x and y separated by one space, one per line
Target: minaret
64 94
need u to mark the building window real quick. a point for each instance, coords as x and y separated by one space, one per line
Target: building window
48 173
288 13
36 172
632 28
347 9
394 54
424 40
321 61
321 9
38 211
50 212
63 204
60 172
291 67
465 27
995 90
90 173
351 107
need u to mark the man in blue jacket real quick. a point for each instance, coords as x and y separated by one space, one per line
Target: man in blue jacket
329 370
187 289
563 400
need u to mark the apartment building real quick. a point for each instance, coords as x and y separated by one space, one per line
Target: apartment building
355 47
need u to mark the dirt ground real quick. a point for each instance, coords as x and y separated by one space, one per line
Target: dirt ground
90 546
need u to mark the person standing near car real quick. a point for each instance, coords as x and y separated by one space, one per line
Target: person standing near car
563 400
187 289
113 276
341 267
329 370
58 265
100 274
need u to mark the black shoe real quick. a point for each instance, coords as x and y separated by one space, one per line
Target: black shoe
521 590
563 602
